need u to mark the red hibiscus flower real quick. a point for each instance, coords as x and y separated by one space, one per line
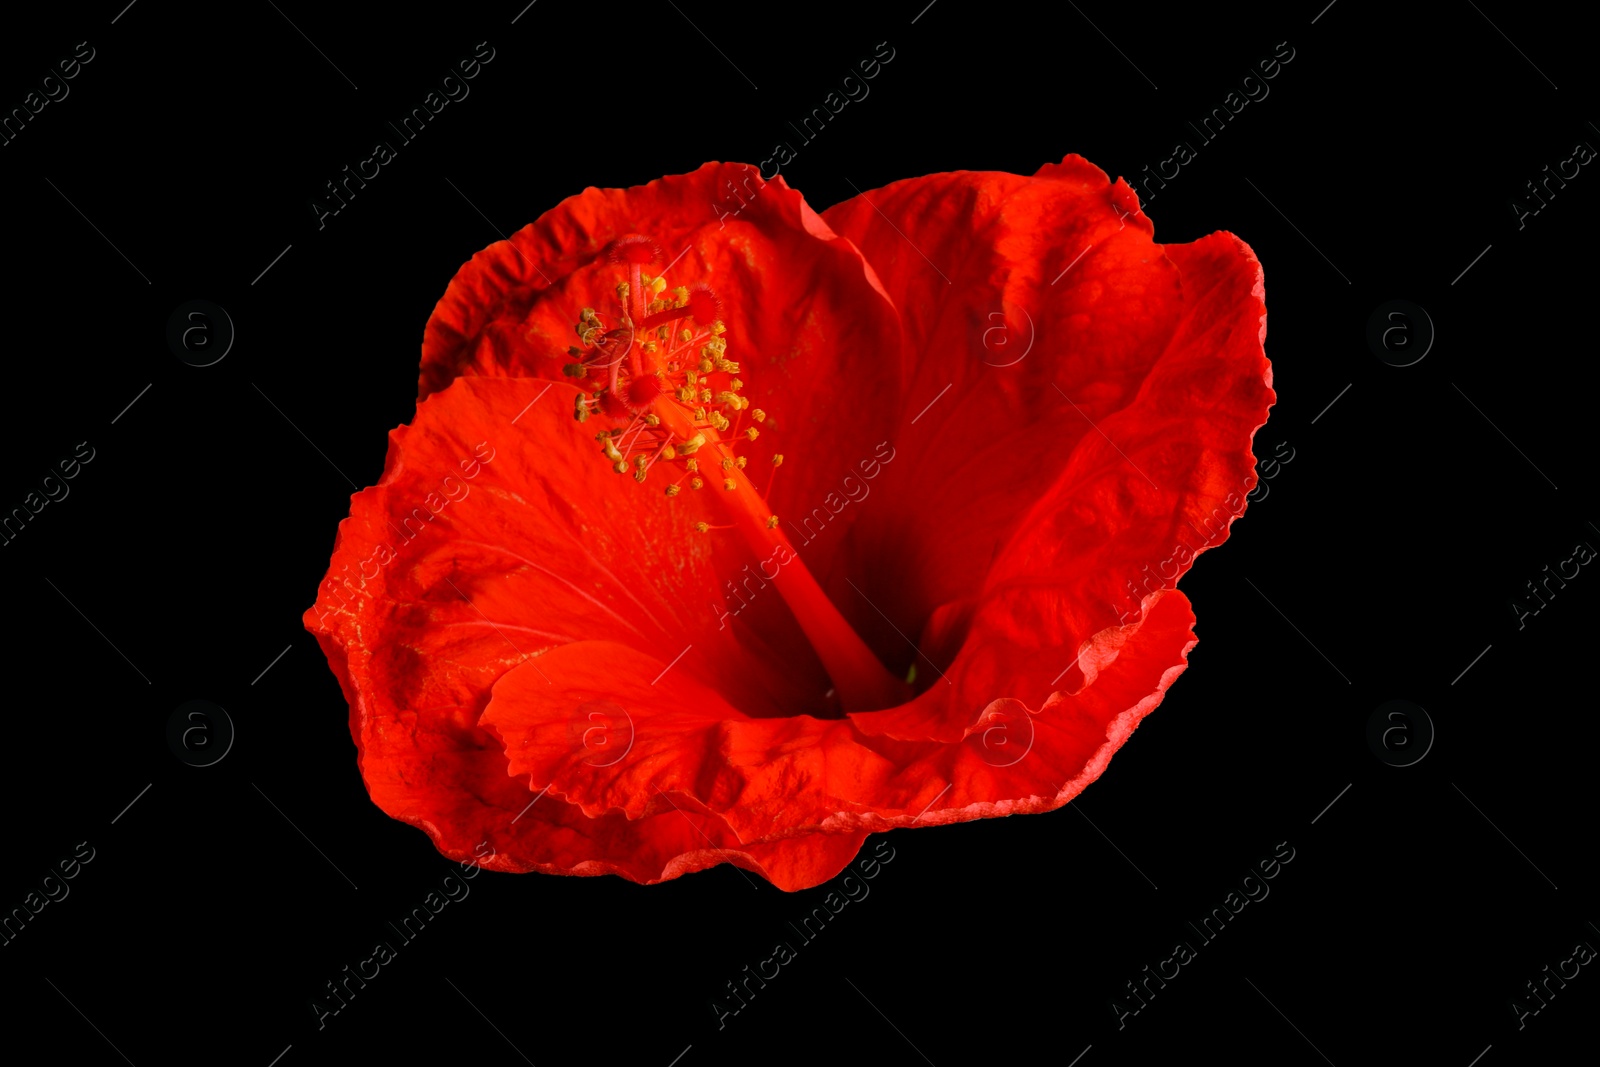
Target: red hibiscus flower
730 532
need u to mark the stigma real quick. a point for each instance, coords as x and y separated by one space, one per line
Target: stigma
656 375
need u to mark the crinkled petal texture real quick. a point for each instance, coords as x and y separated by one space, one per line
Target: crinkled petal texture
537 653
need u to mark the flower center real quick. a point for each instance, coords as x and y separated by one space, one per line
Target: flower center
672 404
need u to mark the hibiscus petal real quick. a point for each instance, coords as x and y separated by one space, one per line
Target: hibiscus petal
818 340
1119 441
773 779
473 555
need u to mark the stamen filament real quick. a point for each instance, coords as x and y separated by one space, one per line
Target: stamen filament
862 681
668 376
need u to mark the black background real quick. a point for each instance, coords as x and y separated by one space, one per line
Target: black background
184 161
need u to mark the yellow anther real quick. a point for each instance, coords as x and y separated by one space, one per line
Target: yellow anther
772 522
759 415
685 383
752 433
777 461
702 527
